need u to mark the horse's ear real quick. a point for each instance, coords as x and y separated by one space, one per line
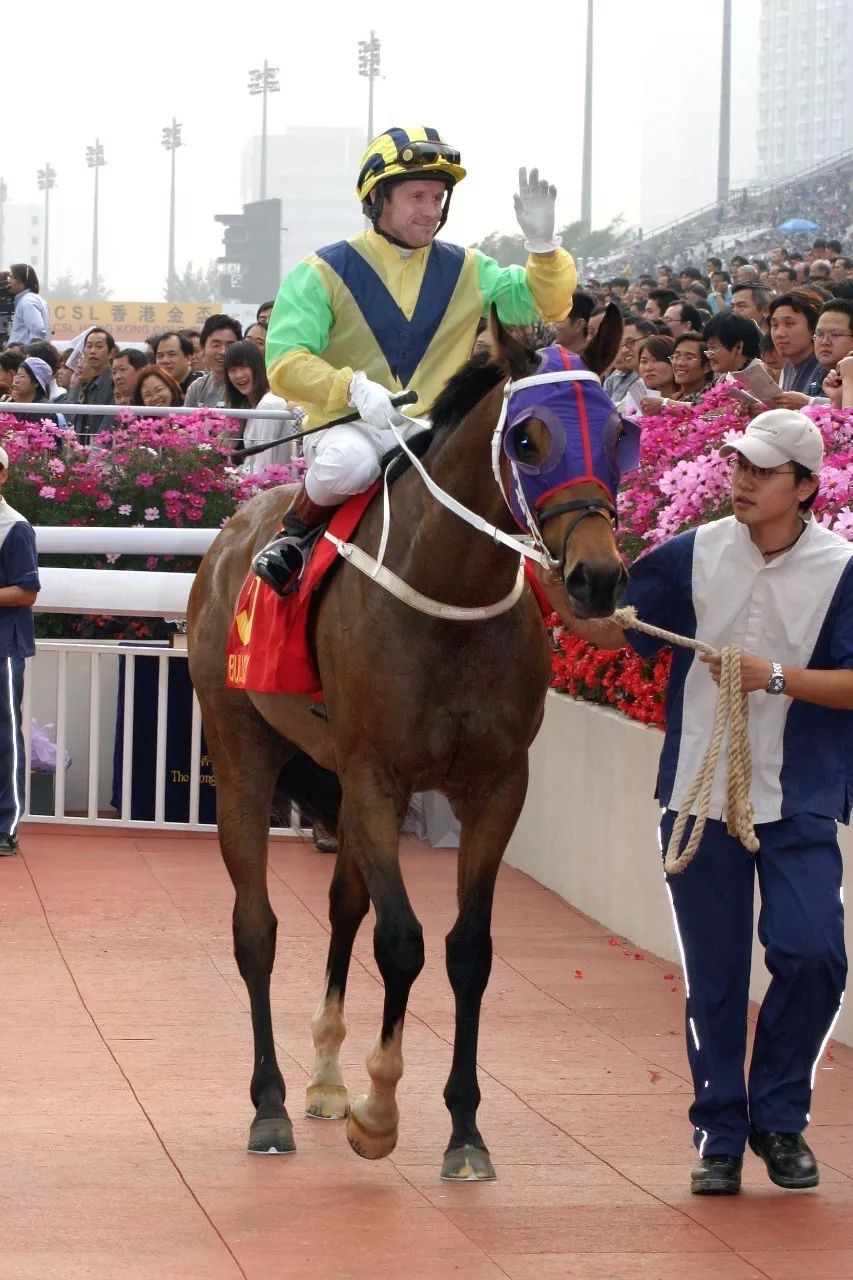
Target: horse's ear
601 352
510 354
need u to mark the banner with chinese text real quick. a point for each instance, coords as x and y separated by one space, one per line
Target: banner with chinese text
127 321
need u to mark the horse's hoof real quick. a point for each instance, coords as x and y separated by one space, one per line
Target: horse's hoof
467 1164
325 844
374 1142
271 1137
327 1101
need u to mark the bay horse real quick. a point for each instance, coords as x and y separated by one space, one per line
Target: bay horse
413 703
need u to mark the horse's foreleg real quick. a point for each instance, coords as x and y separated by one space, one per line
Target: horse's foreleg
487 825
244 800
327 1096
370 827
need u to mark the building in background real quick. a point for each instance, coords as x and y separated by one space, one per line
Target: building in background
313 172
805 97
22 235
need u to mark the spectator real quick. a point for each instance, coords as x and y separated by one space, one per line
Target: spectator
247 387
682 317
655 369
19 586
842 269
786 278
10 362
731 343
174 353
625 366
748 275
573 332
197 358
31 317
833 340
264 312
257 333
770 357
155 388
217 336
126 367
751 301
30 385
657 303
65 373
94 383
721 295
820 271
690 367
793 318
47 351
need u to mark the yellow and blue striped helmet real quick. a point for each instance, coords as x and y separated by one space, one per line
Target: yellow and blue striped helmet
417 151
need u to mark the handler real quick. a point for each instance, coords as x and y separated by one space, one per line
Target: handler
393 308
774 582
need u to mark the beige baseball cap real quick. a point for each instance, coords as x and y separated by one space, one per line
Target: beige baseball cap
779 436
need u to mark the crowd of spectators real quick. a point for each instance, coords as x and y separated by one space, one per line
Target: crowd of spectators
216 367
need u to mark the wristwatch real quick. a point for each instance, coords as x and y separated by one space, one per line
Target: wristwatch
777 682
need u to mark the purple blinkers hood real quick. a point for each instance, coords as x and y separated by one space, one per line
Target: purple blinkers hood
588 440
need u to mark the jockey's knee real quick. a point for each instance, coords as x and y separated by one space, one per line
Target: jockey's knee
342 468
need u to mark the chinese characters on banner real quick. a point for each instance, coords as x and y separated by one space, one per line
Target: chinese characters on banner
127 321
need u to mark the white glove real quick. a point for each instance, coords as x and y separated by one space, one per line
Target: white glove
373 402
535 209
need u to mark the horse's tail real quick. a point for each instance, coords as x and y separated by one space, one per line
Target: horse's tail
314 790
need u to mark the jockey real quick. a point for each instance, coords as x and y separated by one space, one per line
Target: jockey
393 308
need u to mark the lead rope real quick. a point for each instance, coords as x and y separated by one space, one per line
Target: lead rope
731 713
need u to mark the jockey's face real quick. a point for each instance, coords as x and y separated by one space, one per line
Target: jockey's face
412 211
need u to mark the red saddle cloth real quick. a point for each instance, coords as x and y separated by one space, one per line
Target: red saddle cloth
269 648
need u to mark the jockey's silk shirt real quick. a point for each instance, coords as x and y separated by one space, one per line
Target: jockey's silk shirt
713 584
408 319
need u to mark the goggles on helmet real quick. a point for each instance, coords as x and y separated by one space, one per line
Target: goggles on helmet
416 154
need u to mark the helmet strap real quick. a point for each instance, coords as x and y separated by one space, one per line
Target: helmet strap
373 212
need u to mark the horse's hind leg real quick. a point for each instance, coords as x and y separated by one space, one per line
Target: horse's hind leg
487 824
327 1097
247 764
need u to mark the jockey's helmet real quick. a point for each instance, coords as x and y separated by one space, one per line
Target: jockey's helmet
399 155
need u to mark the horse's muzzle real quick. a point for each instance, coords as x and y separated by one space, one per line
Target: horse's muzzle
594 589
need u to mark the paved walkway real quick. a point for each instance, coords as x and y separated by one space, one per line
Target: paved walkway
124 1101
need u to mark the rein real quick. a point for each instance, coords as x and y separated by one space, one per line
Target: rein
375 569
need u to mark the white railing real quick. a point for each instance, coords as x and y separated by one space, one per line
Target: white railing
74 684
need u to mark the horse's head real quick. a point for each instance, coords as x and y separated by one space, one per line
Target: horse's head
559 451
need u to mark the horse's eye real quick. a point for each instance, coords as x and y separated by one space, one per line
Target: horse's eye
525 445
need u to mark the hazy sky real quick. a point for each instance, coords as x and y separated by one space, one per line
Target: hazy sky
505 90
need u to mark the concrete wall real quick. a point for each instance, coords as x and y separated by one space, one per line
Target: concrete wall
589 829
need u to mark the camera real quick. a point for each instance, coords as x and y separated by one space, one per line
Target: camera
7 307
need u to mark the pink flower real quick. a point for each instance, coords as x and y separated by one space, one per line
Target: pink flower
47 491
104 502
152 513
125 509
145 479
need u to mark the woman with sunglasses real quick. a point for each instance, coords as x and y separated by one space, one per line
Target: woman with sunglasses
391 309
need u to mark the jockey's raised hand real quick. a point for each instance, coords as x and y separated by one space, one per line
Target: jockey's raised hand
373 402
535 209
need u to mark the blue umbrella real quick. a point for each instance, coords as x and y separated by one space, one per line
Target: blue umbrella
797 224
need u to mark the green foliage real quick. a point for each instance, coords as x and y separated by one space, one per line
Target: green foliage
194 284
509 250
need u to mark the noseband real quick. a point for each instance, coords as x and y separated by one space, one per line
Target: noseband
584 507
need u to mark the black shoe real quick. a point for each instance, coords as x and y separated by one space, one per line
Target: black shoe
280 567
789 1159
8 845
716 1176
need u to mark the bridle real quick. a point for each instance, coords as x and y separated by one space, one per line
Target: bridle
584 507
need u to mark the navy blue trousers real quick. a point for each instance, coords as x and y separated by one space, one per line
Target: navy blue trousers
12 759
801 927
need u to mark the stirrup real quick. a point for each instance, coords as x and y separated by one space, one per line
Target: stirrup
282 562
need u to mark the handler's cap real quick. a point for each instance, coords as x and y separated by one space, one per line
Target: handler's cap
779 436
4 459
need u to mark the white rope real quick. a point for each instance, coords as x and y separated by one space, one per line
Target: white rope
732 713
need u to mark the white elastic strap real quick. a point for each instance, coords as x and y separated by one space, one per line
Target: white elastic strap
401 590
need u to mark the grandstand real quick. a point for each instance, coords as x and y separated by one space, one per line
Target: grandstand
747 221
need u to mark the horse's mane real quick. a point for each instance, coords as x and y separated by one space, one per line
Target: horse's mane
464 391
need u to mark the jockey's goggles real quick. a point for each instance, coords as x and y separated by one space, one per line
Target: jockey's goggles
414 155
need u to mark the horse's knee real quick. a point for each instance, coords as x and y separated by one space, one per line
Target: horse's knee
399 950
468 950
348 900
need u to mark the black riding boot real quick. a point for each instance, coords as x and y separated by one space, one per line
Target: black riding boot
281 562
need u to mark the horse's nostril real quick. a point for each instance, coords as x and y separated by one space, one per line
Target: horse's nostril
579 582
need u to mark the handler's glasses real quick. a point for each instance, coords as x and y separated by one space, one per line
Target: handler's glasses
760 473
414 154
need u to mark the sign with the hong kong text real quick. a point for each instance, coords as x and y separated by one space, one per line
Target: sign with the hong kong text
127 321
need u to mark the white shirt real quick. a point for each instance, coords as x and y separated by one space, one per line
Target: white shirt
258 430
31 320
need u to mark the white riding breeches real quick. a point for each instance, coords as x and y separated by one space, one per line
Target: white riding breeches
345 460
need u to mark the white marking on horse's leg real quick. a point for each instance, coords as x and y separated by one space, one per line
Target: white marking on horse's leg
372 1126
327 1097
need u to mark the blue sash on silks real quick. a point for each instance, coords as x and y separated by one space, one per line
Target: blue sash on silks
402 342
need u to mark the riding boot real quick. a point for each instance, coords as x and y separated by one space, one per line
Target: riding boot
281 562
